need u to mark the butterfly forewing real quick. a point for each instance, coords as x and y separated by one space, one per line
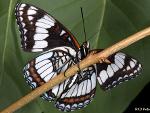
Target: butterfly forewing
81 93
122 68
47 66
40 31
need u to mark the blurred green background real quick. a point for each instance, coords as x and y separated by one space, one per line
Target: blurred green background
106 21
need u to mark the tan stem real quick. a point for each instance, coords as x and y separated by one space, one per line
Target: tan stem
92 59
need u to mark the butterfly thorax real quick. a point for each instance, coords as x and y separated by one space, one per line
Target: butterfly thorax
83 50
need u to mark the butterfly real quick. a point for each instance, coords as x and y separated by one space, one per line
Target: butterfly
41 32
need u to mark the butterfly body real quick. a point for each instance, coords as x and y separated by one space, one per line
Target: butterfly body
40 32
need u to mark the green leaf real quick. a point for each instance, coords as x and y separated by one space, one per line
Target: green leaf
106 22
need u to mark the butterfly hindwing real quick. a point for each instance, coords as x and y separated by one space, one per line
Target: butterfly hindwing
122 68
81 93
46 66
40 31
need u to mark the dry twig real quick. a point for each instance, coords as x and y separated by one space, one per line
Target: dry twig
92 59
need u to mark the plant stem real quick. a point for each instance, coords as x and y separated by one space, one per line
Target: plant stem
91 59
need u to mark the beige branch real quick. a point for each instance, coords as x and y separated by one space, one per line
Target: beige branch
92 59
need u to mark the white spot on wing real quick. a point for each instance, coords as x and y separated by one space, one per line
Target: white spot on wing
114 67
41 30
46 21
126 76
21 8
99 80
128 68
34 84
43 25
37 50
119 78
120 59
24 30
23 24
23 5
131 74
31 12
118 63
40 44
62 32
21 19
122 55
110 71
74 106
114 82
103 75
20 12
33 8
135 61
135 71
140 65
27 73
67 107
30 17
132 64
40 36
49 18
80 105
61 106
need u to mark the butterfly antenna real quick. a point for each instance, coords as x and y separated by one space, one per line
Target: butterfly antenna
83 23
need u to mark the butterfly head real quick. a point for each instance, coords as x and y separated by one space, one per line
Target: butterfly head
84 50
86 45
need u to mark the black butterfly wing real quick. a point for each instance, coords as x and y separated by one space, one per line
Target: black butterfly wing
81 93
122 68
40 31
46 66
